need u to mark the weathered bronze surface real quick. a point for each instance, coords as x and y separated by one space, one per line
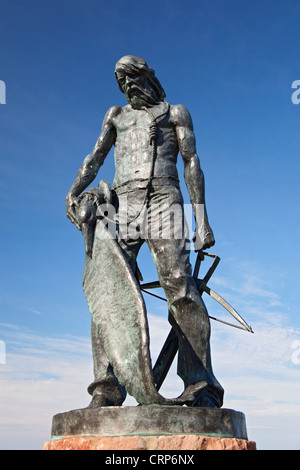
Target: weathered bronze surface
147 421
147 135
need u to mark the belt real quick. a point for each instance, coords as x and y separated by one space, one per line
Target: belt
133 184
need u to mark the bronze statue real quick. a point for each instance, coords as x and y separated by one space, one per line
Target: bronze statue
147 135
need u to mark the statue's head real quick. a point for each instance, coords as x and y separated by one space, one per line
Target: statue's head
138 82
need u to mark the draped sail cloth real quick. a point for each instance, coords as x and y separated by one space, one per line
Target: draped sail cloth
118 310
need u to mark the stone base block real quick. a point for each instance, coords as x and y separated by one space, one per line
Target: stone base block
164 443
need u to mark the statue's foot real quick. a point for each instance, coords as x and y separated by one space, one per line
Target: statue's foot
205 402
189 395
186 398
205 399
99 400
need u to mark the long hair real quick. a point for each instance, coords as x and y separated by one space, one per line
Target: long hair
131 63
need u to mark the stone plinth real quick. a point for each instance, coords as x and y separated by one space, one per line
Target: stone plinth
177 442
149 428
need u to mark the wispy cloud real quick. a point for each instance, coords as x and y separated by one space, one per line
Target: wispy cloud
23 304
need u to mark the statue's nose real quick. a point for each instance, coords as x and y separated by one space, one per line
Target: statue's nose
127 81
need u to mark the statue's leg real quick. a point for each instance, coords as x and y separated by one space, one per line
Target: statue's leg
105 390
189 318
187 311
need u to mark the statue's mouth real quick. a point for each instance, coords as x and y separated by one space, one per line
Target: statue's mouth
133 90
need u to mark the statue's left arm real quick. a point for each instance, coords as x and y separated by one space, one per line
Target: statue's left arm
193 175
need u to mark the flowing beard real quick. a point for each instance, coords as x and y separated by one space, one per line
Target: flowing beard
141 97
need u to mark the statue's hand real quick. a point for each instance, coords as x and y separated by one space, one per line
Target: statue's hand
203 238
71 206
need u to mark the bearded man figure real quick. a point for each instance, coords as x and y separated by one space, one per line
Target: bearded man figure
147 135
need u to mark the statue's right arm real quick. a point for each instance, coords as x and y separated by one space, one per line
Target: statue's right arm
92 162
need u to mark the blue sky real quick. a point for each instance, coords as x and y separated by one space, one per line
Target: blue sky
232 64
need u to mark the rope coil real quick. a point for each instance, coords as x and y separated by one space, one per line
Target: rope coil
153 132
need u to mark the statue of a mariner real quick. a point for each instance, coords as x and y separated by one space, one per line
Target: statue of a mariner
147 135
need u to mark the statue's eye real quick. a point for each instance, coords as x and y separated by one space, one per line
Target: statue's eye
132 75
120 77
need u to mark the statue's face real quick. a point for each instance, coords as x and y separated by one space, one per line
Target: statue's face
132 83
137 89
